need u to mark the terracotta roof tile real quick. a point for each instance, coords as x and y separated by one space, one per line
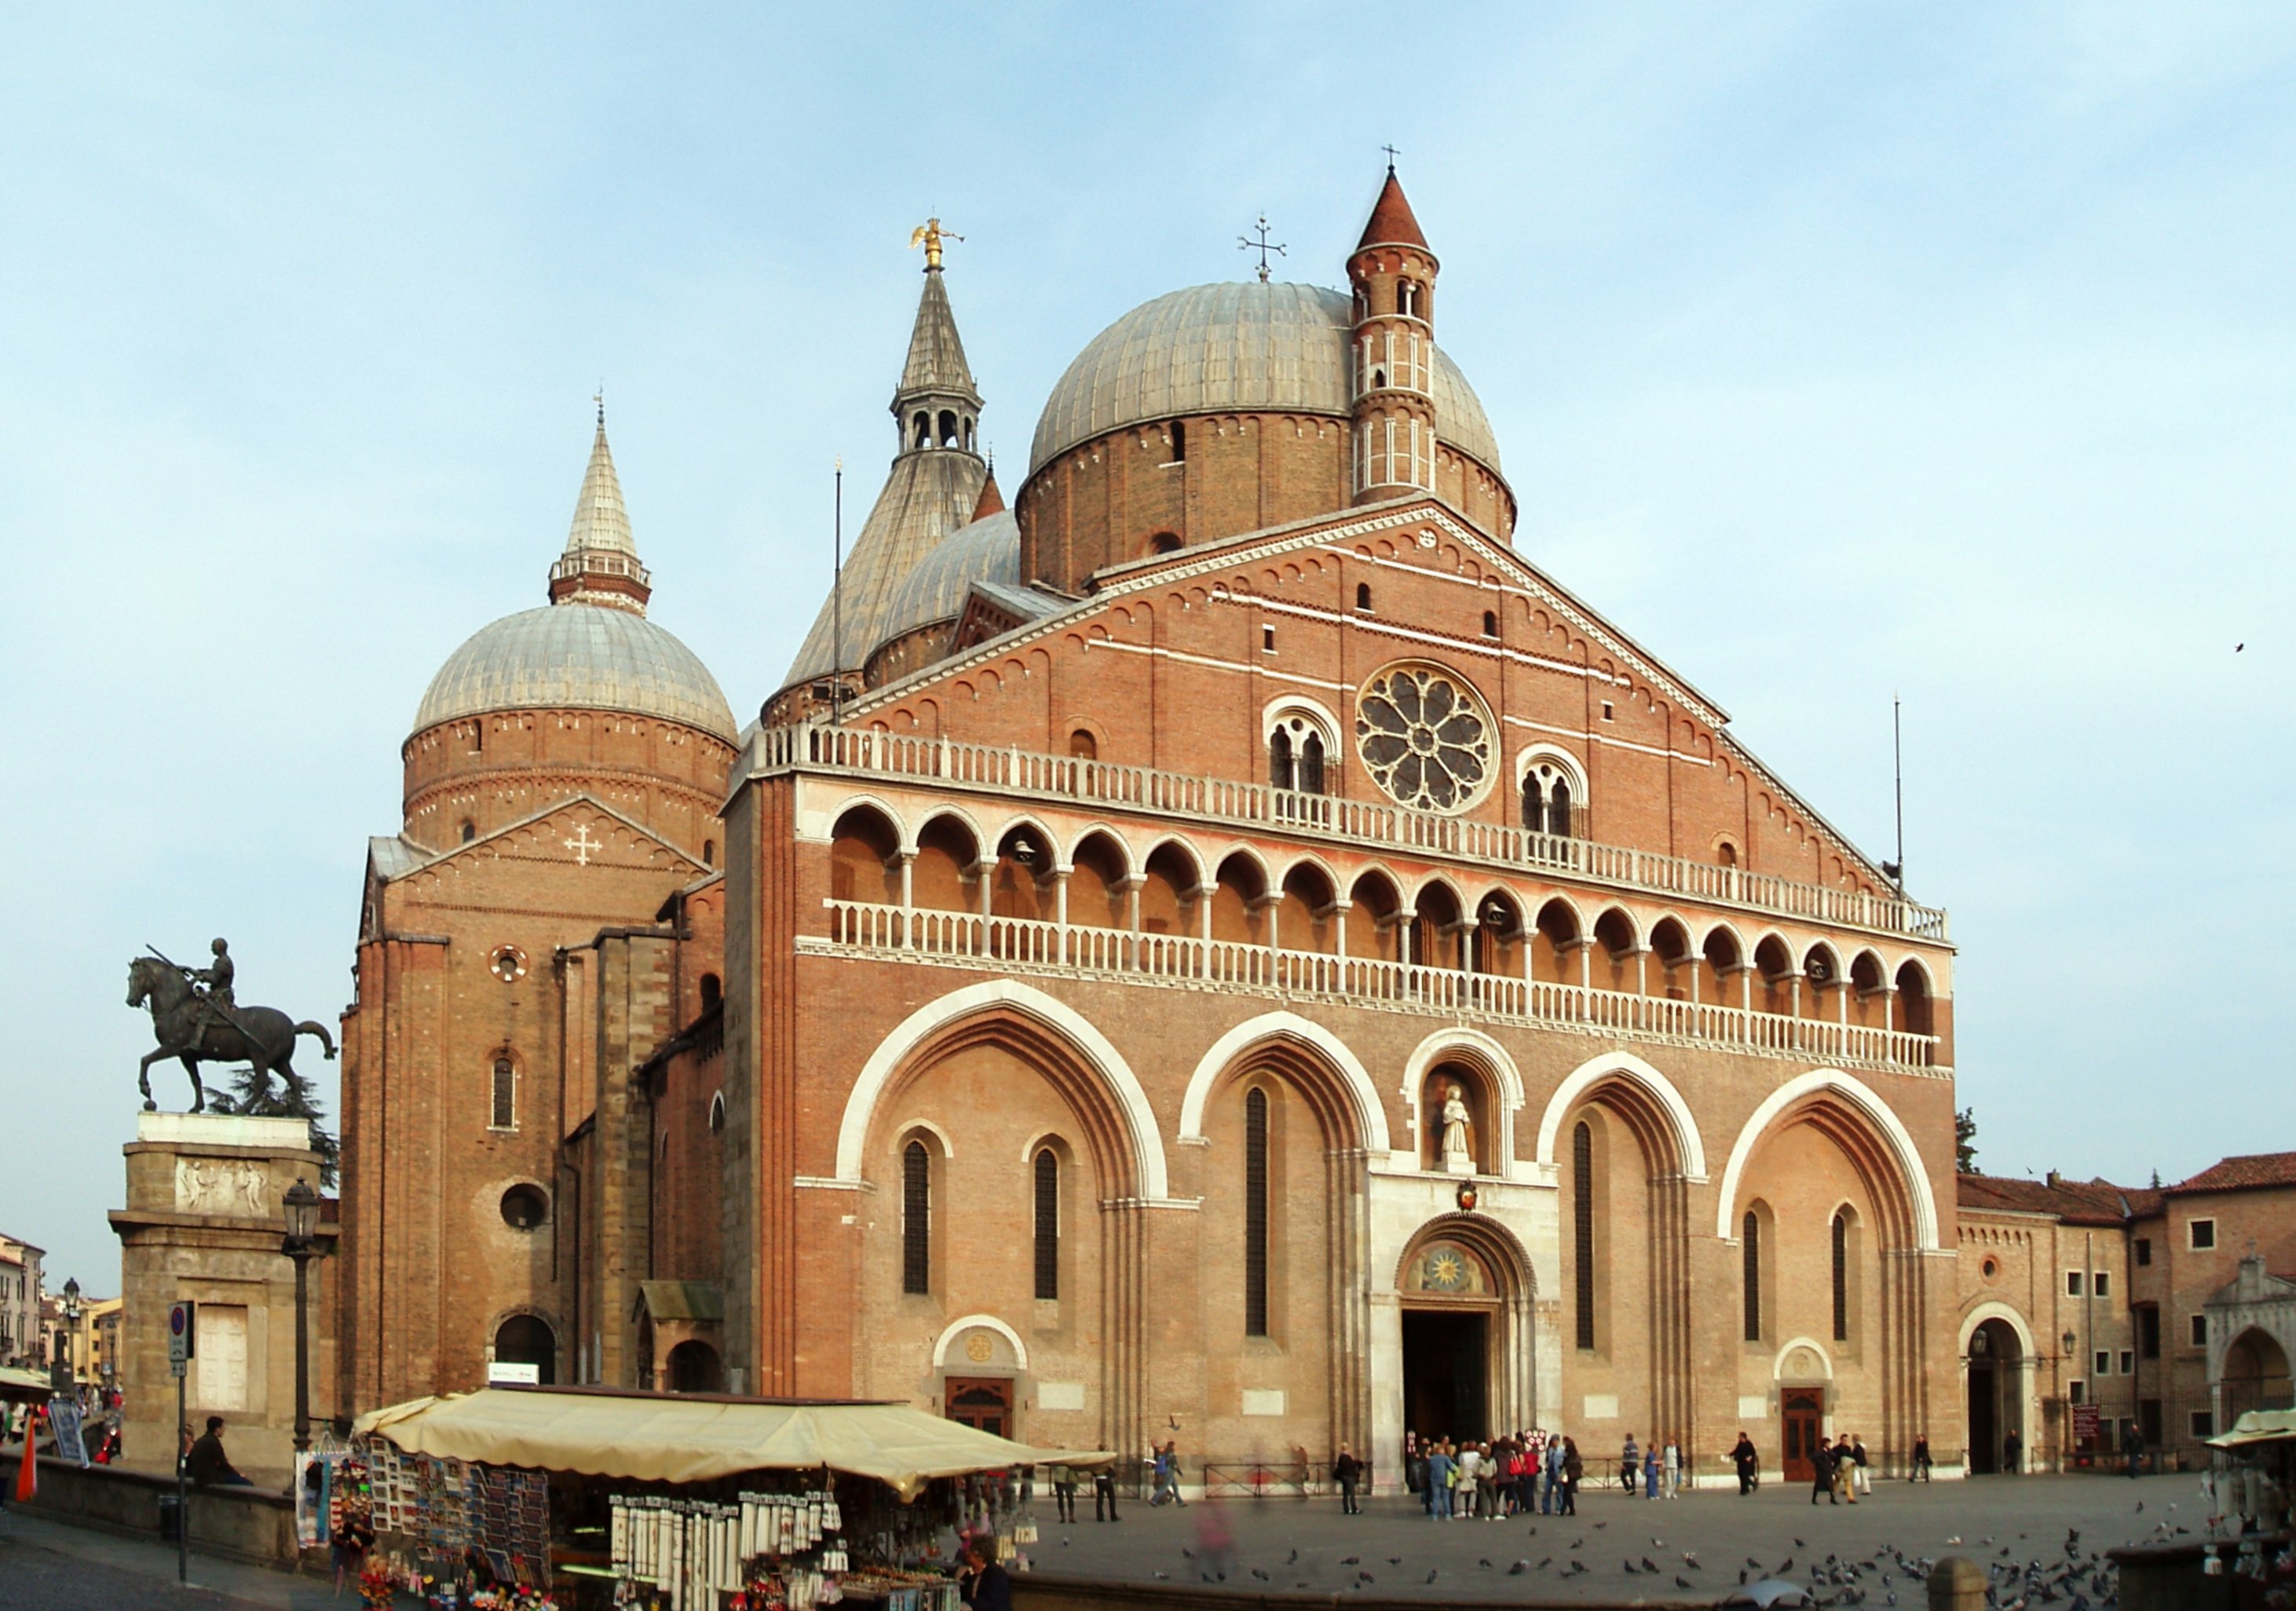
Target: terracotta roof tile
2238 1174
1392 223
2083 1202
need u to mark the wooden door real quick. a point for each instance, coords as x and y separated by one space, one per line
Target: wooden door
1804 1415
984 1403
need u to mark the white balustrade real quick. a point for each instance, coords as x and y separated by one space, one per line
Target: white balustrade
1013 771
1027 944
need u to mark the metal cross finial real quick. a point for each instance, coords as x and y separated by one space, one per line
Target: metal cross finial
1391 155
1262 245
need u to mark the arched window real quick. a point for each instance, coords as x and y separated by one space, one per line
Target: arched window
505 1095
1751 1251
1548 798
925 429
948 432
1840 1277
709 853
1280 772
1180 441
1299 745
1582 1225
1048 1224
1255 1213
916 1219
1083 746
470 831
1165 542
712 992
1311 764
1490 623
527 1339
1363 596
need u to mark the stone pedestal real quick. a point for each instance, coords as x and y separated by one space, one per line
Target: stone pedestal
204 1222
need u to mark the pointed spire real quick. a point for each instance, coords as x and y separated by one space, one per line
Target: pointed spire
600 564
935 363
991 501
1392 223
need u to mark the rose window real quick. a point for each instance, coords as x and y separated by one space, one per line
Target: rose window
1423 738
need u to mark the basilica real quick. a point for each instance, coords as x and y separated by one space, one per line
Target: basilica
1219 945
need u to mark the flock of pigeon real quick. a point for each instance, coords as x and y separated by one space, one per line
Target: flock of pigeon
2083 1581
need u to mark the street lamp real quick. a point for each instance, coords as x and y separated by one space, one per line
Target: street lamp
71 1332
301 1205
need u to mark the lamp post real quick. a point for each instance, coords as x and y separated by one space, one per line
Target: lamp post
61 1375
301 1204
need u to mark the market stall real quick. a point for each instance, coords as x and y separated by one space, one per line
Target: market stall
518 1497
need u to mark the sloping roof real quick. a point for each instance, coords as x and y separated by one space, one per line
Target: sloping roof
936 361
2081 1202
1392 223
2241 1173
601 522
682 1300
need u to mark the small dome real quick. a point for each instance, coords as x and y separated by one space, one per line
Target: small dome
986 550
572 656
1239 346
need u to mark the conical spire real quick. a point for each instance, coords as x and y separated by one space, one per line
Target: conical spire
991 501
601 563
1392 223
936 406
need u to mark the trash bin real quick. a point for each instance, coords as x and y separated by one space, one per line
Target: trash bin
171 1517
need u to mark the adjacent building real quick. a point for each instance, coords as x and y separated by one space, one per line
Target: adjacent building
2091 1310
21 1292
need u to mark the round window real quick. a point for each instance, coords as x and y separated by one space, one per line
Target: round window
1425 738
508 964
524 1207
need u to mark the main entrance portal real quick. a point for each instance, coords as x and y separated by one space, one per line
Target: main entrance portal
1994 1395
1446 1372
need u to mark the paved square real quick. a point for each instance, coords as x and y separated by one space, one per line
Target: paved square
1406 1554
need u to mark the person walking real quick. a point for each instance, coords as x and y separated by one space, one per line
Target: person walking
1845 1469
1748 1462
1574 1471
2133 1445
1346 1471
1064 1486
1673 1468
2012 1451
1921 1471
1103 1493
1861 1475
1630 1462
1821 1482
1650 1472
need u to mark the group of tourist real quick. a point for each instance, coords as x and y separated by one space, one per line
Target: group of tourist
1532 1472
1841 1469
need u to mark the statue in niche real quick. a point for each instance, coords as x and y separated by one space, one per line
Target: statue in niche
1458 1156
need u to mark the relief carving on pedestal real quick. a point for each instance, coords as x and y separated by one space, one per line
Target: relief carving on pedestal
224 1186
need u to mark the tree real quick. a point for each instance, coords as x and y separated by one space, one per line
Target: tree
1964 1141
300 1100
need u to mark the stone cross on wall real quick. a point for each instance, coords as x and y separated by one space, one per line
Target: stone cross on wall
582 845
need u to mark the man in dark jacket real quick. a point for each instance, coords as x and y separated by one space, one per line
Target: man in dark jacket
1821 1462
1347 1471
983 1584
208 1465
1748 1463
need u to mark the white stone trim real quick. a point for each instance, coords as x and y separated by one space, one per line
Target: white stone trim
1132 1102
1778 1361
985 1322
1876 1111
1566 1097
1994 1309
1371 1118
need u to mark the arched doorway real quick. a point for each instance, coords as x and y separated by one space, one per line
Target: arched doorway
1997 1394
1467 1342
527 1339
694 1368
2255 1376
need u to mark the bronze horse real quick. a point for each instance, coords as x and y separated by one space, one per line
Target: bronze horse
263 1037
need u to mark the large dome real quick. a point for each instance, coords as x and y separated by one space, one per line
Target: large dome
986 550
579 656
1238 346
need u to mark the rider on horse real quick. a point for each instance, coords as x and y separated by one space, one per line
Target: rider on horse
212 987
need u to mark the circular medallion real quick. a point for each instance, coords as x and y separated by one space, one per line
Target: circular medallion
978 1348
1466 1197
1444 1270
1425 738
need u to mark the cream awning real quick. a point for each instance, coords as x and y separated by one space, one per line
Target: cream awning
15 1383
691 1438
2258 1426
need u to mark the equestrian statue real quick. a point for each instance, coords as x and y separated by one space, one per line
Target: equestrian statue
197 1019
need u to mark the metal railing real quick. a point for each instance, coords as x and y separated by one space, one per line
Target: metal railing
1027 945
1073 779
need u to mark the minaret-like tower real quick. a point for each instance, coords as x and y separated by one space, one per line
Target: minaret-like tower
601 564
935 406
1391 360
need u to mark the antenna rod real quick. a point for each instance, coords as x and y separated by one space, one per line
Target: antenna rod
1898 758
837 600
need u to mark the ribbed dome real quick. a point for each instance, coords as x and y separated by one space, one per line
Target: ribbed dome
987 549
572 656
1216 348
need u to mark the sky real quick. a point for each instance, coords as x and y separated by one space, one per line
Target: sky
1836 352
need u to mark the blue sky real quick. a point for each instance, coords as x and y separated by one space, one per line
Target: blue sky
1833 351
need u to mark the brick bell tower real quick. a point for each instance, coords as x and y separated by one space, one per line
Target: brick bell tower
1391 360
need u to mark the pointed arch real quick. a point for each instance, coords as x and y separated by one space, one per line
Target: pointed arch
1830 1087
1069 1029
1370 1118
1625 1068
1479 1052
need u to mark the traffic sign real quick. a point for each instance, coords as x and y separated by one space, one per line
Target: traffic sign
183 1334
